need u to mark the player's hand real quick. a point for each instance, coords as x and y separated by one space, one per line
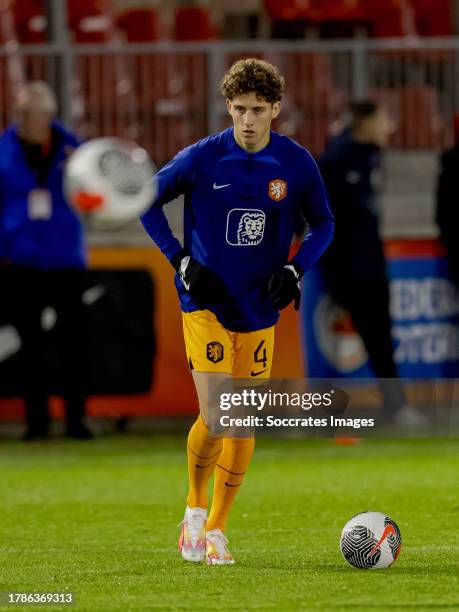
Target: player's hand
203 285
284 286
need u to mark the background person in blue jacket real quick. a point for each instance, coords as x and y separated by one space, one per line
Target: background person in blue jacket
43 247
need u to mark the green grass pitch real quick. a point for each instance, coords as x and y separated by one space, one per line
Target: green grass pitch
99 519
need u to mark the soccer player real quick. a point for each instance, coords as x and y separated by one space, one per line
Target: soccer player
244 190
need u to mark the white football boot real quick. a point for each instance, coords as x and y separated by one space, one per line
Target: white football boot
217 552
192 541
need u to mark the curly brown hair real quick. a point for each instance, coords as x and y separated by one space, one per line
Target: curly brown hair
253 75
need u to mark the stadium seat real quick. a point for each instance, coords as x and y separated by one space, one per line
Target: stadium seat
140 25
340 18
434 18
333 16
339 10
287 10
90 21
317 10
391 18
30 21
289 18
193 23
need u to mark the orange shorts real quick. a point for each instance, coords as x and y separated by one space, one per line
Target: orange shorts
210 347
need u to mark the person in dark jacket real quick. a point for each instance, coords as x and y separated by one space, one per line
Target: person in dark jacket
354 266
447 210
43 251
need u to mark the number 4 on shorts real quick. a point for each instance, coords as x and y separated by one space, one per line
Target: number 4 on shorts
259 355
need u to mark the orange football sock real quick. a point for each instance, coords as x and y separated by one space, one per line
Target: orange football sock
229 474
203 452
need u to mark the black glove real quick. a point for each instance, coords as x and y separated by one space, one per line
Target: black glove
284 286
202 284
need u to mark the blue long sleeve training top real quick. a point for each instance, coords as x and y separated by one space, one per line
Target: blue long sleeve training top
239 218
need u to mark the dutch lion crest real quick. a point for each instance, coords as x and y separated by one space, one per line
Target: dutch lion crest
277 189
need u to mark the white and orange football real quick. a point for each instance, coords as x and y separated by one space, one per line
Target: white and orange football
110 181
